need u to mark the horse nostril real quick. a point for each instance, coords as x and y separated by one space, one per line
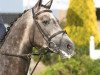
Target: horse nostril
68 46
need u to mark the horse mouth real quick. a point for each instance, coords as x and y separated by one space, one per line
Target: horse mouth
65 55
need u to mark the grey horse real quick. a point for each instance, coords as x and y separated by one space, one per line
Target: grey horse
36 27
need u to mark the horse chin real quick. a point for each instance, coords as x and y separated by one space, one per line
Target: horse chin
64 55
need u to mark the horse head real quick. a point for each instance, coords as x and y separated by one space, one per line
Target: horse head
49 31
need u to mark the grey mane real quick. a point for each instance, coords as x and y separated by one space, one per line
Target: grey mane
9 28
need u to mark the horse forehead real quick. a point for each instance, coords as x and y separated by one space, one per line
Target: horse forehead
47 15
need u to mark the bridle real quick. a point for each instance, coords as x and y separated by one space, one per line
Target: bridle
45 36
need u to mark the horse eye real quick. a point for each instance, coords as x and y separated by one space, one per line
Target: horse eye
45 22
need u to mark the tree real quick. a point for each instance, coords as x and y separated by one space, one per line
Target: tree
82 22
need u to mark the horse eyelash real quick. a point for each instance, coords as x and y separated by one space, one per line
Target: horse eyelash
45 22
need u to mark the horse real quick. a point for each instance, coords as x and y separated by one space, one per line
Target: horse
37 27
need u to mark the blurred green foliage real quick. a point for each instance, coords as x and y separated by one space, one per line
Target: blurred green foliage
78 66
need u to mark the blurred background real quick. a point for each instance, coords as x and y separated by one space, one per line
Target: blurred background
81 20
13 8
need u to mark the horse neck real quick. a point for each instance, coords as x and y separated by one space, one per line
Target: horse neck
18 40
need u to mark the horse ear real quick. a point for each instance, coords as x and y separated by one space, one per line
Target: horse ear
48 5
37 5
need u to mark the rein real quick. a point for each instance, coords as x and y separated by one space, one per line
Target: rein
42 52
45 36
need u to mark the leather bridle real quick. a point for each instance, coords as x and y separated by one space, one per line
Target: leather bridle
45 36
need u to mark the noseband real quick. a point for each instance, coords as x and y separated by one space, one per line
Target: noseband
45 36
